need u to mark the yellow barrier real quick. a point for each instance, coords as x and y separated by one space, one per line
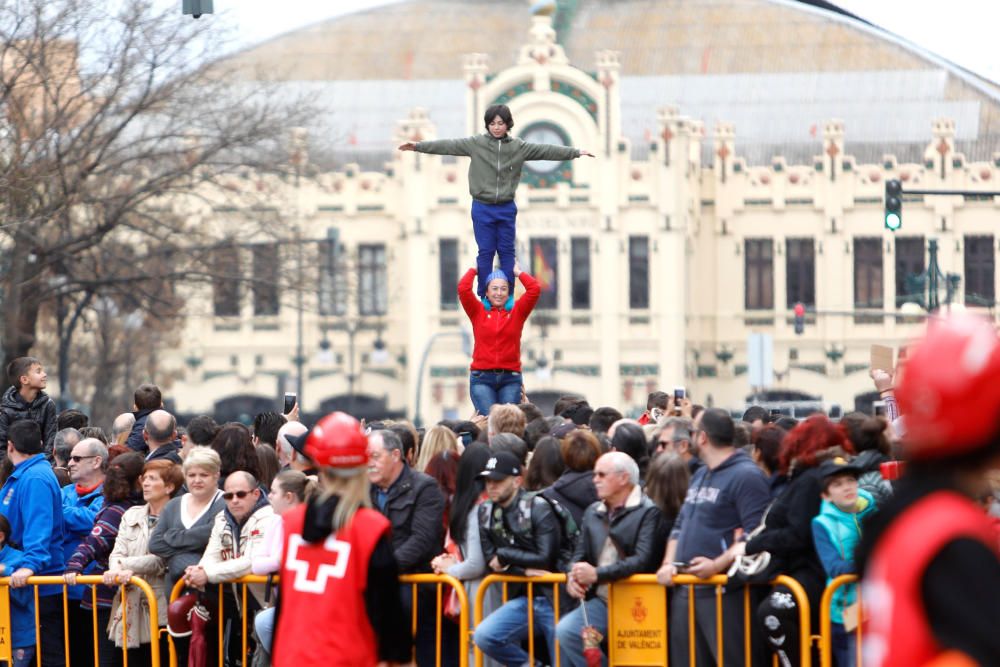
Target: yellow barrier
85 580
826 621
463 621
414 579
801 599
553 579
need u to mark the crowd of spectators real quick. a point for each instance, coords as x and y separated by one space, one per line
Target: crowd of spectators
585 492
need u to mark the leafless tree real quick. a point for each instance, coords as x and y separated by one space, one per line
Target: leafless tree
117 126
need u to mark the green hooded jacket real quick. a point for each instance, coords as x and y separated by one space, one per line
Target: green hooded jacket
495 168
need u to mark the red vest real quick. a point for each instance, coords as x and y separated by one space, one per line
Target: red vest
897 633
323 619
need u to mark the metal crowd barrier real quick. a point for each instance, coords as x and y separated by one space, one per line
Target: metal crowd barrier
719 581
826 621
439 581
6 648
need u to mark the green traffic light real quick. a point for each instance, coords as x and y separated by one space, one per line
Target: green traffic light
893 221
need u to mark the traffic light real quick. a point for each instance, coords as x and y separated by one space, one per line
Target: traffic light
893 204
800 319
196 7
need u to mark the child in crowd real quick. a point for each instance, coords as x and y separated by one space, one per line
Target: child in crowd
26 399
494 173
22 612
836 532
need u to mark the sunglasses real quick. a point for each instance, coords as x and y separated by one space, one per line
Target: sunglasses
77 459
228 495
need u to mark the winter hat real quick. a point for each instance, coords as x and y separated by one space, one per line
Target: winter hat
498 273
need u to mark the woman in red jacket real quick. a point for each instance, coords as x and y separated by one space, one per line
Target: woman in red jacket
495 374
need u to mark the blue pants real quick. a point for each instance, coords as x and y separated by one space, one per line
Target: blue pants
844 645
569 632
500 634
493 225
263 623
487 388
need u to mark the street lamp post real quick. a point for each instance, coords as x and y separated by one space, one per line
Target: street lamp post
466 349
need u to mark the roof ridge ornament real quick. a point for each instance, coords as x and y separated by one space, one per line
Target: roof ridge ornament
542 48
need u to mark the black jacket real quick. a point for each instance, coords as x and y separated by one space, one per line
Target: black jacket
523 535
169 451
575 491
636 530
135 440
42 411
788 535
415 509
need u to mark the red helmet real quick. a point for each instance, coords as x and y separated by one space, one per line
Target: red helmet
336 441
948 392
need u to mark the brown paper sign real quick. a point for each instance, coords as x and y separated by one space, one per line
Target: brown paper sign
882 358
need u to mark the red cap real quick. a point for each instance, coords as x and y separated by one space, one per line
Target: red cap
336 441
948 391
800 310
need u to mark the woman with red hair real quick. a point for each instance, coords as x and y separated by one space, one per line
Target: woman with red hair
788 532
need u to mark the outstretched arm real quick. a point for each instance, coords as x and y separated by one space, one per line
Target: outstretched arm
553 152
461 147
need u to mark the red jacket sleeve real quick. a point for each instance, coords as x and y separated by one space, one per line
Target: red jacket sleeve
524 305
472 305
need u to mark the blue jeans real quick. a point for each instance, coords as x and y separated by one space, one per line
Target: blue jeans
263 623
844 645
571 625
493 226
487 388
500 634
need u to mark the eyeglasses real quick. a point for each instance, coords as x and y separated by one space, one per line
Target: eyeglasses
77 459
228 495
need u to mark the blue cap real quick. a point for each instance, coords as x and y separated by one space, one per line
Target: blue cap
498 273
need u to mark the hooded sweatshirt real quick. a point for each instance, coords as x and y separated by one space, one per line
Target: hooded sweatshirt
42 411
836 534
733 495
575 491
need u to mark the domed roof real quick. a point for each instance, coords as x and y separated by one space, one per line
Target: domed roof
777 69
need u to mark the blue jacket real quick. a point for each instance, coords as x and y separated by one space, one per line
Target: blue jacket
836 533
733 495
30 501
22 601
79 515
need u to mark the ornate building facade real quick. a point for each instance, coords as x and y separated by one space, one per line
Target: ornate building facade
658 260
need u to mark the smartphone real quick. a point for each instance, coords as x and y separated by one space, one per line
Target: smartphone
678 394
878 408
681 564
290 399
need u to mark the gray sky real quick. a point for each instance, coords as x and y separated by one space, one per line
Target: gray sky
964 32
